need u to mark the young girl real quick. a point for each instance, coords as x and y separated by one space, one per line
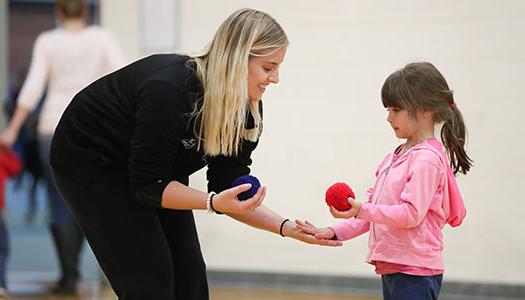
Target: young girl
415 192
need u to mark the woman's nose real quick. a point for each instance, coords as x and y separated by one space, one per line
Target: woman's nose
274 77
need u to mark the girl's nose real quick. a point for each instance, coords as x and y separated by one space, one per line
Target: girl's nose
389 117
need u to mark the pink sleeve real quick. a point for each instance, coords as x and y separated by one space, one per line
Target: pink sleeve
414 202
350 228
36 80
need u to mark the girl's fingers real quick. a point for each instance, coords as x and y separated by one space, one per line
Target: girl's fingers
321 236
304 229
333 243
307 229
299 222
325 234
325 242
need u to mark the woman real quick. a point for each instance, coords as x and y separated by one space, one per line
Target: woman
65 59
127 143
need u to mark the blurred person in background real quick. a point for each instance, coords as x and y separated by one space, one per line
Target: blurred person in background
66 59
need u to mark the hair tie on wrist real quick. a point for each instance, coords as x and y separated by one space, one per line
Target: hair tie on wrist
282 226
209 203
453 104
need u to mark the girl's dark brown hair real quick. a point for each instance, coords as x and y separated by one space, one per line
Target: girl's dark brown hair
421 87
71 8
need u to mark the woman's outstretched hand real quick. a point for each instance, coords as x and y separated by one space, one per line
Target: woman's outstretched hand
295 231
227 201
352 212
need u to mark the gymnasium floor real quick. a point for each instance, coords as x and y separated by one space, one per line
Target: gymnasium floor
92 291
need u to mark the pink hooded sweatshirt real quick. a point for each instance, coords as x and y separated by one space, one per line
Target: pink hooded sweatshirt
414 195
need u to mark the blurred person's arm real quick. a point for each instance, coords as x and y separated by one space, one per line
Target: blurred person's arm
8 137
31 92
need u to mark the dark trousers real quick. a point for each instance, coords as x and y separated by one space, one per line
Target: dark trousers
401 286
67 236
145 252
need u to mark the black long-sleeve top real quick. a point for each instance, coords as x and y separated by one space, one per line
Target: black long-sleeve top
134 126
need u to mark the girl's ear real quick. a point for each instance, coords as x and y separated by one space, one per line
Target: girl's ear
428 115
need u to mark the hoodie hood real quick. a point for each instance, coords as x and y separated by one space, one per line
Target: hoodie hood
454 208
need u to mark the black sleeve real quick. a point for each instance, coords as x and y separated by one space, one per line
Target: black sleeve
160 124
222 170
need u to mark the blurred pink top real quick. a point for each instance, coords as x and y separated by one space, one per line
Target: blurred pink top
66 61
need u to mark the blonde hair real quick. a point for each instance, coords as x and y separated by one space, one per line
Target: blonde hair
223 71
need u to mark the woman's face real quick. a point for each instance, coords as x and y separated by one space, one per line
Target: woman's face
263 70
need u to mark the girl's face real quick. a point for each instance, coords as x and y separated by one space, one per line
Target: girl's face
263 70
404 126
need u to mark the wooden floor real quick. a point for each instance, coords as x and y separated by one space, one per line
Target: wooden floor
93 291
231 294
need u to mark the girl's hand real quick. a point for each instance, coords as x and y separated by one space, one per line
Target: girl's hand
352 212
320 233
294 231
227 201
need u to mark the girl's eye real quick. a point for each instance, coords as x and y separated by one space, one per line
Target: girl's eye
267 69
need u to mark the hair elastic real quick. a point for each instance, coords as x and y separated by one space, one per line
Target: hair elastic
282 226
453 104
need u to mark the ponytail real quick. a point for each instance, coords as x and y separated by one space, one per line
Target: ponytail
453 136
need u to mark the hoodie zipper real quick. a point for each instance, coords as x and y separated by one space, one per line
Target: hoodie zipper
380 191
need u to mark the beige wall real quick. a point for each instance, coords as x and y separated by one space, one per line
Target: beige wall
324 122
121 18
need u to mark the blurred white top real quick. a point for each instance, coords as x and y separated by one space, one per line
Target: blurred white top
67 61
